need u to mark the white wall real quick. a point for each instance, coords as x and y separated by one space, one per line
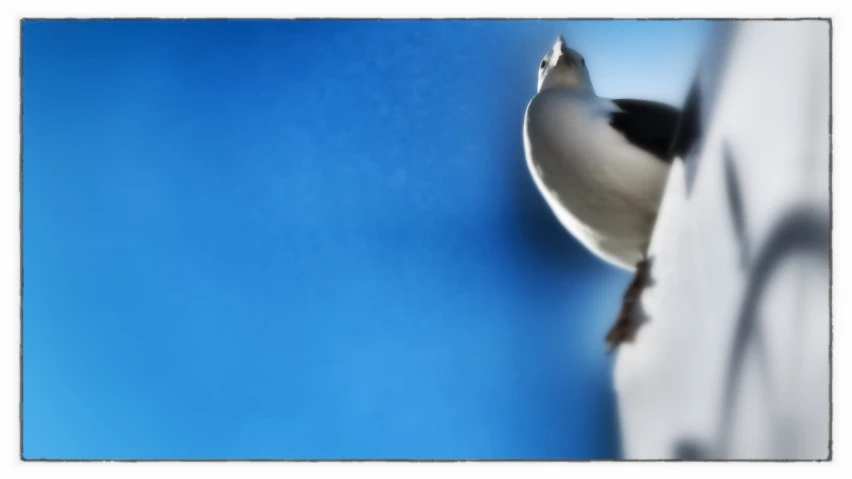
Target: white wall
733 361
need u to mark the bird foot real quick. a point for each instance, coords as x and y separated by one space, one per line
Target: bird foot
624 329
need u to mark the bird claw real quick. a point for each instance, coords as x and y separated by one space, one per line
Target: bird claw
625 327
623 331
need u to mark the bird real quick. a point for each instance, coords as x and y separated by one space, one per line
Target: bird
601 166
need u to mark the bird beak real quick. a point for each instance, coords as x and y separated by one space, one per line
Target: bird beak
561 45
560 48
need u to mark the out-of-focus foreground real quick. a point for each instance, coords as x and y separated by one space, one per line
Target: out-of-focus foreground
733 361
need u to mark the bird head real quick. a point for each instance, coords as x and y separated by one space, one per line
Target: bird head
565 68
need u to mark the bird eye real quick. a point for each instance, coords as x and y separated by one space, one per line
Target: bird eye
543 63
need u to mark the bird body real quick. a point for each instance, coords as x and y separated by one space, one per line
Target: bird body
603 188
601 165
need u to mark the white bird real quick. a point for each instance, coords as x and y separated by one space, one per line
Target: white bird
601 165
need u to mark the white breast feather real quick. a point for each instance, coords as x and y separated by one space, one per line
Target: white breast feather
603 189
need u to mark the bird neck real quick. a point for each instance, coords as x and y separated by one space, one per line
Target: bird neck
561 94
579 92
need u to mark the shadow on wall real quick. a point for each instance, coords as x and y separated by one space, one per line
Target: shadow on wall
801 231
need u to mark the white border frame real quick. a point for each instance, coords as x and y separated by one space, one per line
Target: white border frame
9 220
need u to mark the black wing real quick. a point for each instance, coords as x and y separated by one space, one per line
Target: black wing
648 125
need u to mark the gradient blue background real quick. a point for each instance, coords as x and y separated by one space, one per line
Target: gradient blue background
312 240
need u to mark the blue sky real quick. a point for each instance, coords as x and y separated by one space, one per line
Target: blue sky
312 240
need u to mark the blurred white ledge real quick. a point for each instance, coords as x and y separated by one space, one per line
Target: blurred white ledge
733 361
